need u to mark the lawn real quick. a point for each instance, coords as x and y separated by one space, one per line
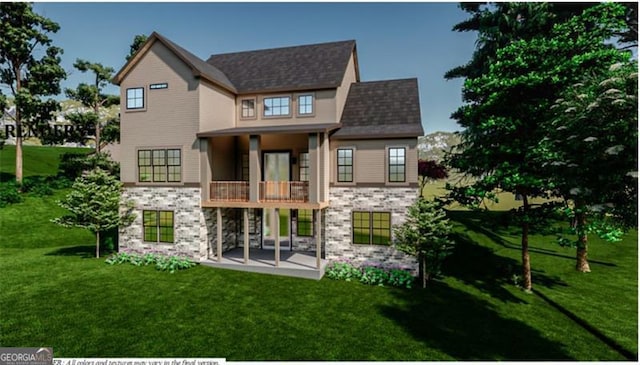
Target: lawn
38 160
55 294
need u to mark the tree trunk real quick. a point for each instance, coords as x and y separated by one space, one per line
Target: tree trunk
582 264
526 263
16 72
97 244
425 277
96 110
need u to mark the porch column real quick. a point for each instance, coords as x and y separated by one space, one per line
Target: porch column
205 169
219 233
318 214
255 174
275 229
314 171
245 212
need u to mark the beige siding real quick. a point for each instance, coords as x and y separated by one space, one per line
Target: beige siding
370 159
224 159
343 90
170 117
324 110
217 108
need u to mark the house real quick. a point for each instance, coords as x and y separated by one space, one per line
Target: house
267 153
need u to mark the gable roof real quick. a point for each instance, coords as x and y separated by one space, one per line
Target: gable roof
315 66
383 109
198 66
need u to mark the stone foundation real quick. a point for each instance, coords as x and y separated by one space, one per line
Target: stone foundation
344 200
189 221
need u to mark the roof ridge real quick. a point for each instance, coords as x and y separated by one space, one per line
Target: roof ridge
281 48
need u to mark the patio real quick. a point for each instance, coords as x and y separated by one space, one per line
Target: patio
298 264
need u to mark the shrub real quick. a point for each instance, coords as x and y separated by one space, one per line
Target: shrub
339 270
9 193
162 262
370 274
73 164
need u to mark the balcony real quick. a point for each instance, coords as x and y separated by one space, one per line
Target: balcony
269 191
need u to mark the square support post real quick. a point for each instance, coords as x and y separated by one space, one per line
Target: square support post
245 212
318 214
219 233
275 227
255 174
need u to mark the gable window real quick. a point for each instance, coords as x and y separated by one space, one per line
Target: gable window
163 85
305 223
157 226
397 164
304 166
305 105
135 98
277 106
345 165
248 108
371 228
159 165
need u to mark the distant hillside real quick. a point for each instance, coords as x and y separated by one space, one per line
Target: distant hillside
433 146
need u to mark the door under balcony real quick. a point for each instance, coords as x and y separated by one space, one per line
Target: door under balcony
276 167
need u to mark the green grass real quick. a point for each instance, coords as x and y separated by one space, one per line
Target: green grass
37 160
55 294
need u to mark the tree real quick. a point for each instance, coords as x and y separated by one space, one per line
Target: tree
29 79
508 107
93 204
594 143
425 235
430 170
92 96
138 41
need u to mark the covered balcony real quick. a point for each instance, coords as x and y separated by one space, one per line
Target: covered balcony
284 167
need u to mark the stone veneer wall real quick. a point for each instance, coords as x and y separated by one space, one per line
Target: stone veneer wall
344 200
189 222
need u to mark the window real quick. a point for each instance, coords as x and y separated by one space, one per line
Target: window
371 227
397 164
135 98
276 106
304 166
248 108
158 225
305 223
144 165
163 85
159 165
305 104
345 165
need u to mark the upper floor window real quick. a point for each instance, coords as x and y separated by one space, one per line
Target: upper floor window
161 165
304 166
135 98
397 163
305 104
345 165
248 108
277 106
163 85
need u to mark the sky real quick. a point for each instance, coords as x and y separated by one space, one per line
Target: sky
394 40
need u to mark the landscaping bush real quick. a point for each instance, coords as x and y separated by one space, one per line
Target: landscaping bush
161 261
9 193
370 274
73 164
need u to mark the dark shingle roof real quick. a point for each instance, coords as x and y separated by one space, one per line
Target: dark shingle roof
313 66
383 109
204 69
